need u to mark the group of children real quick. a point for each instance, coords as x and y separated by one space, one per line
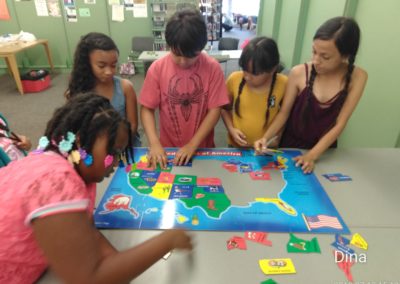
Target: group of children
48 197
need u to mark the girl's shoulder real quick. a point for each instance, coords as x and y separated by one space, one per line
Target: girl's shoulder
359 74
358 80
50 159
300 69
126 84
121 80
45 164
298 74
234 80
236 75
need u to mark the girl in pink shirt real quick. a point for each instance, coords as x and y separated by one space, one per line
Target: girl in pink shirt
47 202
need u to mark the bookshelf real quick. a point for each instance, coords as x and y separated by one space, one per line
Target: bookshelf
212 13
161 12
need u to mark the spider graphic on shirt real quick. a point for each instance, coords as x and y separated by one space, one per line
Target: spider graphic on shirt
185 102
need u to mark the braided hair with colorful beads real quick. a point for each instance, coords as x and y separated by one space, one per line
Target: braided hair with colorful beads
86 116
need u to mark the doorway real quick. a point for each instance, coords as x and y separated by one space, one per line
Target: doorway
242 16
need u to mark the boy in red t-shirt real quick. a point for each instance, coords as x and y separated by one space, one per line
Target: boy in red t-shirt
188 88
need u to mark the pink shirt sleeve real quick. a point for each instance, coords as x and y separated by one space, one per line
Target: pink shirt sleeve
150 95
57 193
218 94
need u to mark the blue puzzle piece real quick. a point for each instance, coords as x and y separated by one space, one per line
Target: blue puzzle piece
213 189
181 191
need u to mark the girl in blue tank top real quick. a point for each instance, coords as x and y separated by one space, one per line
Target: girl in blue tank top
95 63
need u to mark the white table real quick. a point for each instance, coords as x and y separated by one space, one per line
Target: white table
368 204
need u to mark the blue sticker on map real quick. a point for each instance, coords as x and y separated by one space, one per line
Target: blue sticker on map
245 168
342 248
181 191
150 177
213 189
342 240
337 177
341 243
233 162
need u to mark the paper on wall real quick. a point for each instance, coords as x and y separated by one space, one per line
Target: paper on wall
53 7
41 8
118 13
140 10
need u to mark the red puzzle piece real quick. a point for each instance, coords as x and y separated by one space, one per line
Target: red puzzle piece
260 175
236 242
258 237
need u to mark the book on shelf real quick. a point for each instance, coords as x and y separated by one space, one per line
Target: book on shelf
160 7
158 21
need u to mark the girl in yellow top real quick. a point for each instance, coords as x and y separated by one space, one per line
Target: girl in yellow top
256 93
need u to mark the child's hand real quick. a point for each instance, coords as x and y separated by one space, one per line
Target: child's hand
239 137
156 156
24 144
180 239
184 154
306 162
260 146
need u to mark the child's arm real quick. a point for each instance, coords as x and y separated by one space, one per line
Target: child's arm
359 79
186 152
226 112
157 153
72 249
106 248
131 104
277 125
24 143
235 133
21 141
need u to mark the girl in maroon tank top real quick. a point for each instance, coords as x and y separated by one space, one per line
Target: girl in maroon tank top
317 118
321 95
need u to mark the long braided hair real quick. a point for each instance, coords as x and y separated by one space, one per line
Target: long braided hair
346 34
88 116
82 78
263 56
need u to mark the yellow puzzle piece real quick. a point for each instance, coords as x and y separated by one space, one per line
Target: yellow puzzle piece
279 203
277 266
358 241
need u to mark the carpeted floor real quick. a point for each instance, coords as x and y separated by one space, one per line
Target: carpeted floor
28 114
